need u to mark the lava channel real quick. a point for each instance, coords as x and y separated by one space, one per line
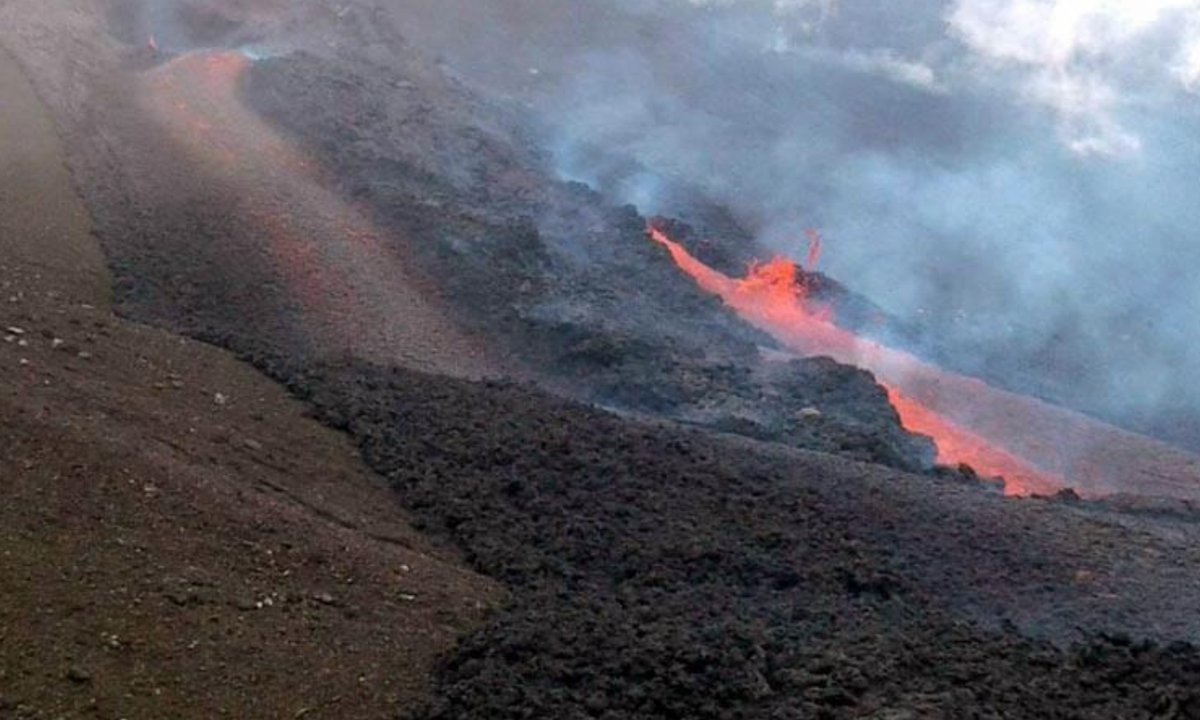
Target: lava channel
1035 447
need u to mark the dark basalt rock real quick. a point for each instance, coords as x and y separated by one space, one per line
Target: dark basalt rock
567 283
663 573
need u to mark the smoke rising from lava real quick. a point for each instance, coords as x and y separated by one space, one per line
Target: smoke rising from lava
1015 174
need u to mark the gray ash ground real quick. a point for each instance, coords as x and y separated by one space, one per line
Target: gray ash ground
656 571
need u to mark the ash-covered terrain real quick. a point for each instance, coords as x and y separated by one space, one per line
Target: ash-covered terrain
689 521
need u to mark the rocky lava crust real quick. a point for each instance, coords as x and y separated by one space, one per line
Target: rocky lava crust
662 572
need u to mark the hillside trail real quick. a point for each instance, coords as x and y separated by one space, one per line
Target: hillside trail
177 538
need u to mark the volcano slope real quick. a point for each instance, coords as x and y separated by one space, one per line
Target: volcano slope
176 538
655 571
399 218
561 281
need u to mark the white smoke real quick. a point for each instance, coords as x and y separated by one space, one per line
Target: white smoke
1018 173
1088 60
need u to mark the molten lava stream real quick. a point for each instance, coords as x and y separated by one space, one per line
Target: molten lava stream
956 445
771 298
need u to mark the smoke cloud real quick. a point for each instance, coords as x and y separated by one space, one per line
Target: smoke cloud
1086 59
1017 174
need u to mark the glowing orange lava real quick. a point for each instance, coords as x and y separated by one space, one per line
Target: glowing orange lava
957 445
774 298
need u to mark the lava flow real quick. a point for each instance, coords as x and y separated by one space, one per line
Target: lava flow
773 298
1034 446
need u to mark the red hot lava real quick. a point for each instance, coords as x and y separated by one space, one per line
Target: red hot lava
774 298
1035 447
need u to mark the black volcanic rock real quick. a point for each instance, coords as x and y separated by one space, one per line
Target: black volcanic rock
550 270
664 573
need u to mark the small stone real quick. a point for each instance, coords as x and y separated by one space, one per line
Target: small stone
14 330
220 399
323 597
77 674
252 444
182 598
22 343
810 413
23 362
56 343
